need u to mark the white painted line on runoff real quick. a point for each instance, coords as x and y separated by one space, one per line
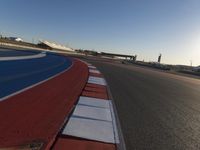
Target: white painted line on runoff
94 71
88 63
93 112
96 80
114 123
96 102
91 67
90 129
29 87
40 55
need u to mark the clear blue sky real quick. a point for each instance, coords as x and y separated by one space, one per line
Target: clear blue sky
142 27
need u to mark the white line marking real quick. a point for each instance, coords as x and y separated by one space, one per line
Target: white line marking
96 102
114 123
93 112
88 64
90 129
29 87
96 80
40 55
94 71
92 67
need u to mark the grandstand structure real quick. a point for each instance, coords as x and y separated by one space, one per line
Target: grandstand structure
54 46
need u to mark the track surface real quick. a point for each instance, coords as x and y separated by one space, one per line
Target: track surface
157 110
19 74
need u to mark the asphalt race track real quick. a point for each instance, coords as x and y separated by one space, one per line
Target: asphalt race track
157 110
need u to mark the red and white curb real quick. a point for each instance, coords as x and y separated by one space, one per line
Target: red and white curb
93 117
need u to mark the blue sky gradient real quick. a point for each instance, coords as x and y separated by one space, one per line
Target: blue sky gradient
142 27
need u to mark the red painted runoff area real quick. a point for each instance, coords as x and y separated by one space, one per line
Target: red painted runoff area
93 89
37 115
81 144
96 74
96 91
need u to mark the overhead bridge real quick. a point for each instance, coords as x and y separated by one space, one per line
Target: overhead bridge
118 55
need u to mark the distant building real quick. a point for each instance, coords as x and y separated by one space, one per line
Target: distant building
51 45
15 39
114 55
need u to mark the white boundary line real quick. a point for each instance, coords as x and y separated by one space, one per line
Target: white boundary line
29 87
40 55
116 136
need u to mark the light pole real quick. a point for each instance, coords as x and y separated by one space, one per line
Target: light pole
191 63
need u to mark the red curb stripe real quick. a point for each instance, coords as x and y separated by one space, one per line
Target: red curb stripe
80 144
95 85
96 74
95 94
93 89
70 142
